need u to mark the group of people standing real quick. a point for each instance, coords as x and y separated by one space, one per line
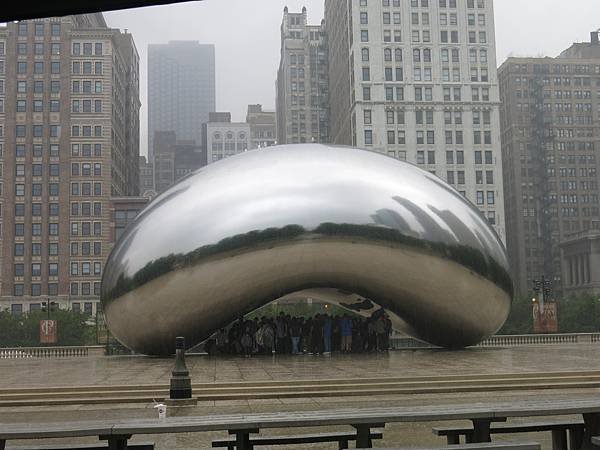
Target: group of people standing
321 334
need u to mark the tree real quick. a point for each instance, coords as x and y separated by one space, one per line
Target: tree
23 330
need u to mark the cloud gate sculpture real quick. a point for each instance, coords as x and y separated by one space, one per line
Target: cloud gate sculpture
242 232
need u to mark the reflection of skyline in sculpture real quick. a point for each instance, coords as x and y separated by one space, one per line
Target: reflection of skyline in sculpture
246 231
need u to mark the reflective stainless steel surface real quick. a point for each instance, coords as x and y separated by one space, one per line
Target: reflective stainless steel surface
250 229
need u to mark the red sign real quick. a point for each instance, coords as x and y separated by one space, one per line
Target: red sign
545 321
48 332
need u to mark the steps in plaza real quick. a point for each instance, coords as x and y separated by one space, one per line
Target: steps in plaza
107 394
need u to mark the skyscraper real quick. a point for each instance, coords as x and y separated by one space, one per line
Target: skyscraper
181 89
302 86
174 159
70 141
263 126
550 149
416 80
224 138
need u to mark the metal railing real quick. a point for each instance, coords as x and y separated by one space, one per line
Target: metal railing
50 352
512 340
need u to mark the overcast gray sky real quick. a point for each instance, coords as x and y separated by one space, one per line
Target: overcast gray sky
246 38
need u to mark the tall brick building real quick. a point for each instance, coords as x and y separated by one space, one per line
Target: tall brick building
550 143
69 96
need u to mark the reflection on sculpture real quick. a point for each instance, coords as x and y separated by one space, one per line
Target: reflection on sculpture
250 229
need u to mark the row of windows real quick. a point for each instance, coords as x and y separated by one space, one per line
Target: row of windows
38 106
16 309
37 170
86 130
86 268
38 48
86 228
481 195
85 86
36 290
428 138
86 169
427 117
86 48
37 150
86 208
85 67
86 106
560 81
36 229
36 209
86 248
446 37
36 270
85 189
38 67
37 130
558 68
38 87
425 3
36 189
36 249
39 28
85 290
86 149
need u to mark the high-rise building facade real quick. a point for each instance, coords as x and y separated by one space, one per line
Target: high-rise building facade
302 86
146 177
416 80
174 159
224 138
263 126
550 145
70 142
181 89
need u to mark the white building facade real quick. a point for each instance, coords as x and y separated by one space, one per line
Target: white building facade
417 80
226 139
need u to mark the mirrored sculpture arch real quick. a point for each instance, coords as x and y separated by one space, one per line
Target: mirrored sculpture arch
244 231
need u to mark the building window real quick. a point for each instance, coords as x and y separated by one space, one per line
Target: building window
368 137
479 197
52 288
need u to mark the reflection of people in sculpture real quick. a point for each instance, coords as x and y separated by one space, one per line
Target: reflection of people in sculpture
221 341
346 329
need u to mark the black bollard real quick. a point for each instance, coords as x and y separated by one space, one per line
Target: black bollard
181 384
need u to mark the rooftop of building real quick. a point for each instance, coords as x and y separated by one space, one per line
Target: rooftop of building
577 51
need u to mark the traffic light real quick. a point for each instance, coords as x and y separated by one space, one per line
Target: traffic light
537 285
53 306
547 287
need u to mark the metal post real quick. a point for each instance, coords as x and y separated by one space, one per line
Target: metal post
181 384
542 294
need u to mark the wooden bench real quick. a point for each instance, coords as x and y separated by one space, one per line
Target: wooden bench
342 438
479 446
363 420
98 446
558 429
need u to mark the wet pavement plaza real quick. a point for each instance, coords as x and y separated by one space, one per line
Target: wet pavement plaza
133 370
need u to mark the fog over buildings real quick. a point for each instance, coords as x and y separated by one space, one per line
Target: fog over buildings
247 42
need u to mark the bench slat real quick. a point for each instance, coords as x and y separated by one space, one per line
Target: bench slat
98 446
296 439
479 446
511 427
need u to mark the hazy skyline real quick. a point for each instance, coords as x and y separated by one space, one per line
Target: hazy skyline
246 35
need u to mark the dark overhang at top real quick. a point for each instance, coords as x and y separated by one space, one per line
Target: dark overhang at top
33 9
